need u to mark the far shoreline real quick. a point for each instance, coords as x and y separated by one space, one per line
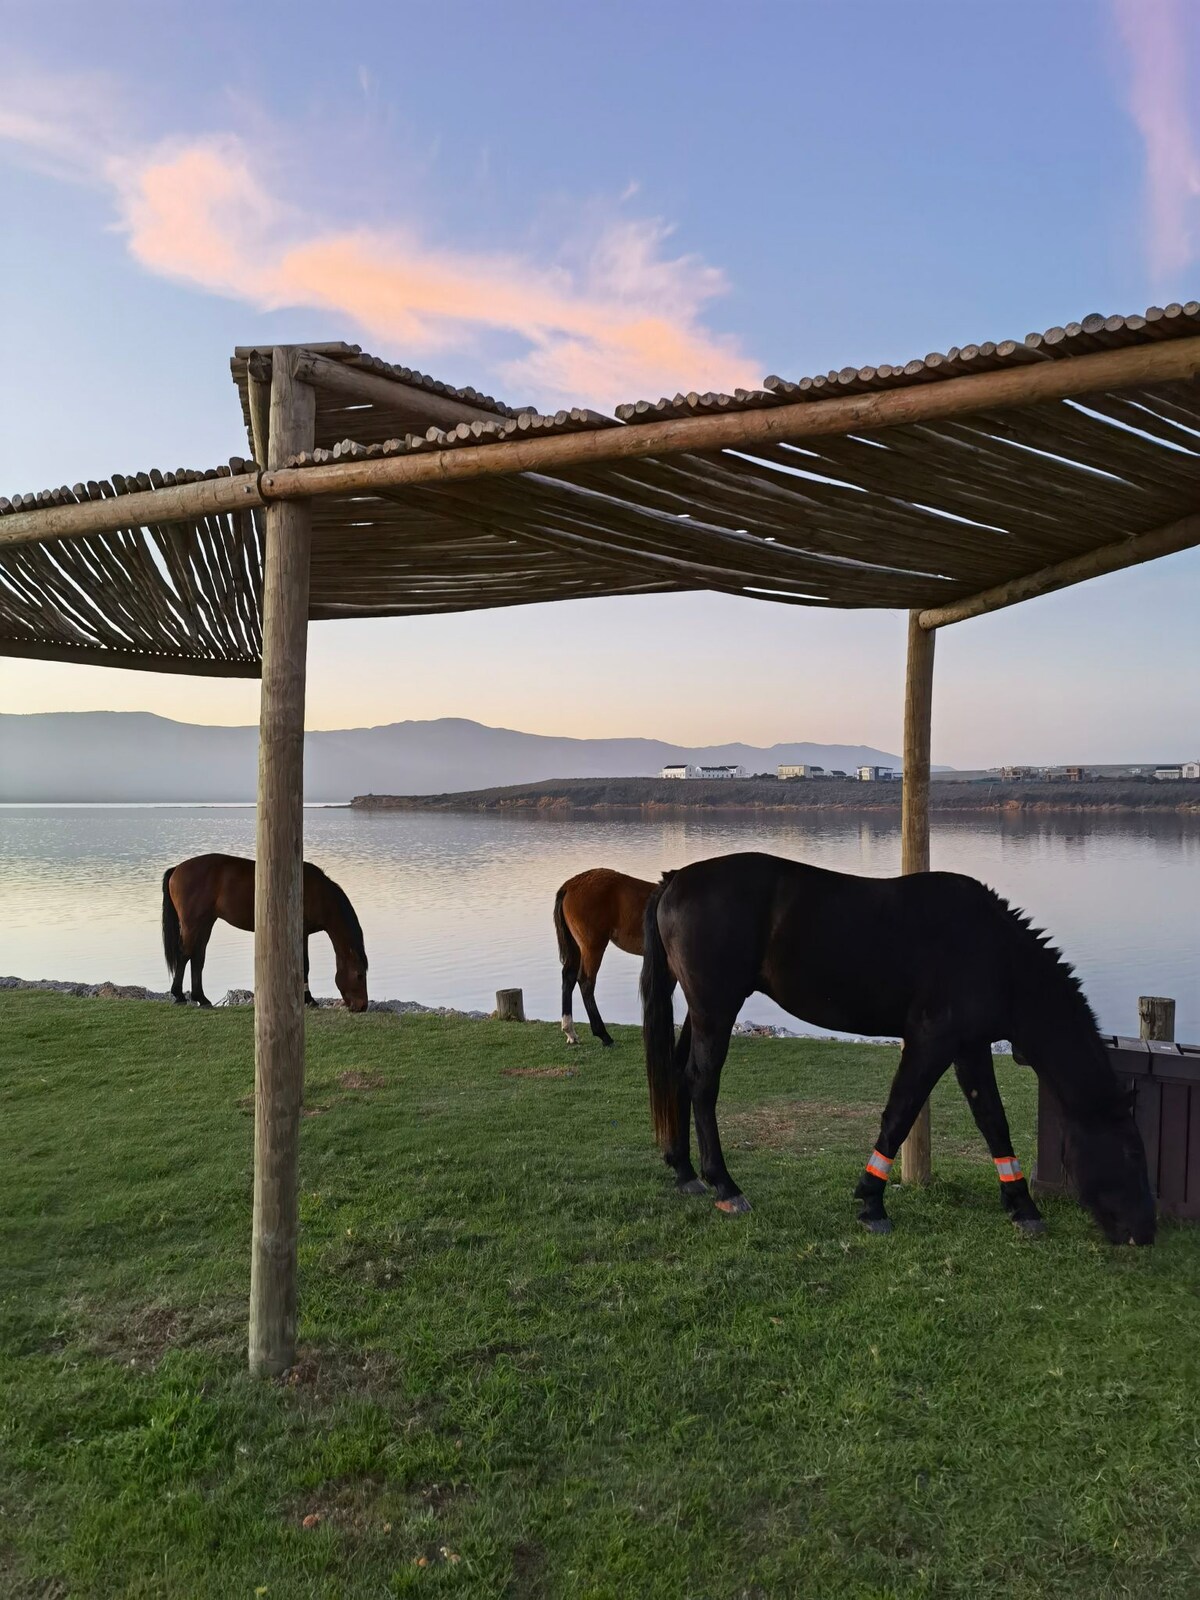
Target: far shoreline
652 797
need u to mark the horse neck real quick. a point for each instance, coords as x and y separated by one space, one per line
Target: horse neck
1059 1037
332 922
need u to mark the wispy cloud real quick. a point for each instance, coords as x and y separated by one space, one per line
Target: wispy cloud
1163 105
613 315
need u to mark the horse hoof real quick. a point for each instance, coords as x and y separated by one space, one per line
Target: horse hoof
177 999
608 1044
205 1005
1030 1225
693 1186
734 1206
877 1224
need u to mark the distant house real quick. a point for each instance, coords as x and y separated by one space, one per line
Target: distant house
721 772
876 775
682 770
1065 774
1191 769
1019 774
1169 772
800 769
837 773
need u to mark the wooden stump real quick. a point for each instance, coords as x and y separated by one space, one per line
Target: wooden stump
510 1005
1156 1018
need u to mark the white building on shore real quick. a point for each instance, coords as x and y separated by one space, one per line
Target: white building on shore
877 774
799 769
684 769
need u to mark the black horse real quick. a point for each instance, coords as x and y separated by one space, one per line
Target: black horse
935 958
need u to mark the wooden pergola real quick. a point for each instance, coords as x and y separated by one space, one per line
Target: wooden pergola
948 487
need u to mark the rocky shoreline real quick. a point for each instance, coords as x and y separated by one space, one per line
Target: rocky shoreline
407 1008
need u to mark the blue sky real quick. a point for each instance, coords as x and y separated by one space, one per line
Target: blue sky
603 201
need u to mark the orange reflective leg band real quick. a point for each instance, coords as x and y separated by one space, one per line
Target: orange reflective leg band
1008 1169
879 1166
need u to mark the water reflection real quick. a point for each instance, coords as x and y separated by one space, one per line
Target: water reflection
455 907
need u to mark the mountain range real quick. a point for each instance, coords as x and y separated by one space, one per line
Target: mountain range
134 755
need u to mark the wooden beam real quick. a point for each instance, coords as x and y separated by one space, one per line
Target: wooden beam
915 1159
1133 367
279 894
182 502
1106 370
133 660
416 408
1131 552
258 393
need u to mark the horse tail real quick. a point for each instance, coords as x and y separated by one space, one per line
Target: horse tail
658 1026
171 934
568 949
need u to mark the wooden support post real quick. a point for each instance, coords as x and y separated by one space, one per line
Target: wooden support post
279 893
915 1166
1156 1018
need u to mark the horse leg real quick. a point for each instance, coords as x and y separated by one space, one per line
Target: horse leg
710 1046
570 977
308 999
181 961
588 972
199 951
923 1060
976 1074
678 1156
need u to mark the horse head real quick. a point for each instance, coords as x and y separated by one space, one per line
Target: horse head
1107 1162
351 979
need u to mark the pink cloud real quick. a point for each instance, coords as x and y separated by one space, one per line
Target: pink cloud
616 316
1161 104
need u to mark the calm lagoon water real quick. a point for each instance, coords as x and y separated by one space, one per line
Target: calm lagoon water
457 906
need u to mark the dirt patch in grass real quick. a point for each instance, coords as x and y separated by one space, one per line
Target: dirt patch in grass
140 1336
529 1565
539 1072
326 1376
806 1127
360 1080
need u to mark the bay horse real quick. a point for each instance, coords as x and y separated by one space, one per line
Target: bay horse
199 891
935 958
591 911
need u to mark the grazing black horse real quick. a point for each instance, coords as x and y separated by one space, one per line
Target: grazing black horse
935 958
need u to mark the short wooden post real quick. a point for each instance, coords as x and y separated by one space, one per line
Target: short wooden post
279 893
1156 1018
510 1005
915 1163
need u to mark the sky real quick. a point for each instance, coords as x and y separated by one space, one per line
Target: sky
588 204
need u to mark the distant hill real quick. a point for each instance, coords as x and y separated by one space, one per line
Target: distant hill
132 755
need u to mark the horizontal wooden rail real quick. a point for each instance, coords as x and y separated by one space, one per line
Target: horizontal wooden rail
1133 367
183 502
417 407
1166 541
100 655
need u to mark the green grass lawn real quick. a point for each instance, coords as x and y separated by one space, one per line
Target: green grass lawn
528 1368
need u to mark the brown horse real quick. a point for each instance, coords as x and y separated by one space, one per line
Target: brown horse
198 891
592 911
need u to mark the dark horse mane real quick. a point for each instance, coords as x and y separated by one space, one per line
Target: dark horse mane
1049 961
342 901
1054 987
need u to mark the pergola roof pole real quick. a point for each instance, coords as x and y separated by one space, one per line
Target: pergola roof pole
279 893
915 1152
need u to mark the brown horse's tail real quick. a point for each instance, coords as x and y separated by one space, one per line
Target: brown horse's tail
172 937
568 949
663 1069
